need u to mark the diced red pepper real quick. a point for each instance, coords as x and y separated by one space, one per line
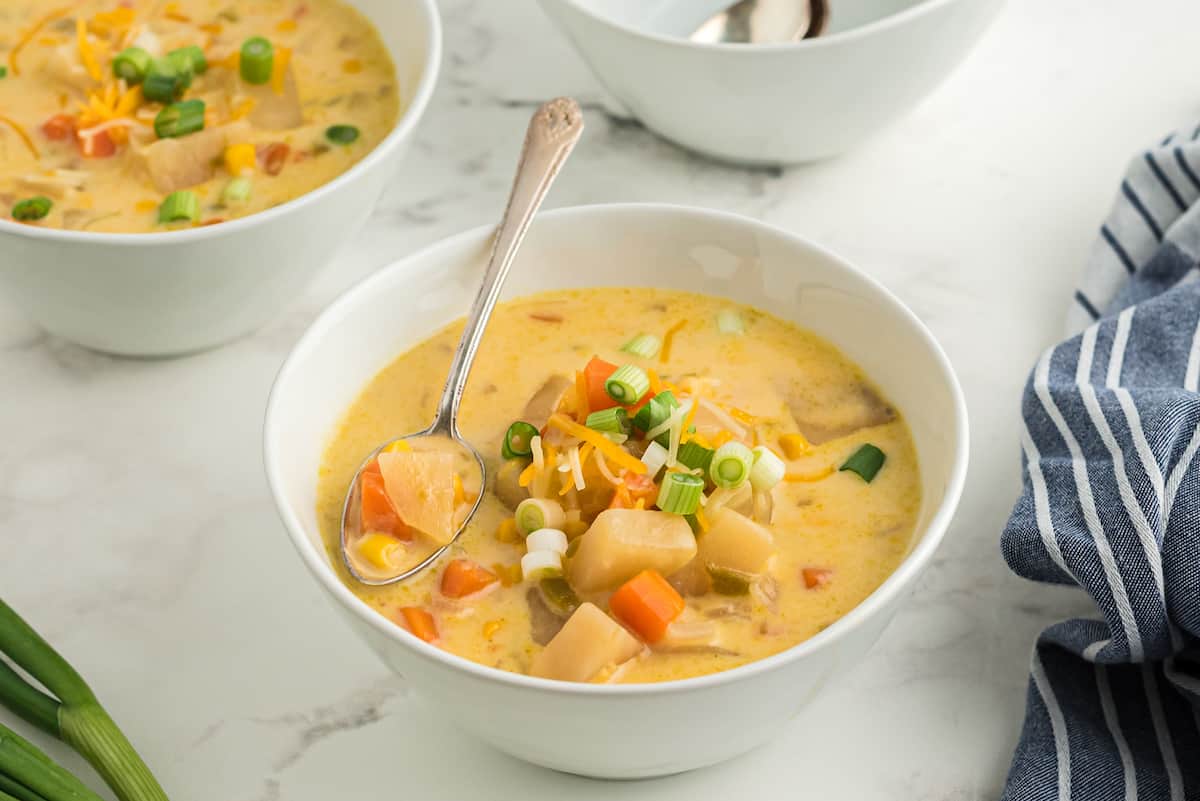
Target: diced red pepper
59 127
815 577
272 157
98 146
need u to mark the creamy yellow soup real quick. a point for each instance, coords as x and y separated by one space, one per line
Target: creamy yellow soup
836 537
84 149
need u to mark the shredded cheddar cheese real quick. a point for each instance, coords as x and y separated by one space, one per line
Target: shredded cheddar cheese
283 56
87 53
797 478
602 443
27 37
22 134
668 338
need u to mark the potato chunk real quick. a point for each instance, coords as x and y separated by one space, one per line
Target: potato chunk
420 485
735 542
588 642
624 542
545 401
178 163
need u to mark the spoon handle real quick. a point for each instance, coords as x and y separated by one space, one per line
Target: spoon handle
552 133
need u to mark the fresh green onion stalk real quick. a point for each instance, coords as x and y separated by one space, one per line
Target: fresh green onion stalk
179 206
31 209
71 712
730 467
132 64
517 441
179 119
680 493
342 134
628 384
613 421
257 60
866 462
644 345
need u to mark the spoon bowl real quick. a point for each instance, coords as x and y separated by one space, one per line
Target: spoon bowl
765 22
553 131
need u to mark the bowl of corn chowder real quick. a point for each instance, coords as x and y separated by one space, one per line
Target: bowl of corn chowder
172 173
717 458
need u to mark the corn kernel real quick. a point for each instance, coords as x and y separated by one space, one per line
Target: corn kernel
399 446
794 445
380 550
508 574
240 159
286 25
507 531
491 627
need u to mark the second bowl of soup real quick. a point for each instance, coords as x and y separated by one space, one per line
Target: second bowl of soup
716 457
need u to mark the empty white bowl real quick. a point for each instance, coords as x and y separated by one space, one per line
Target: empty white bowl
619 731
774 104
173 292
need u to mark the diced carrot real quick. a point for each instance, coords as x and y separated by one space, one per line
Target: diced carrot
378 514
419 622
59 127
595 374
647 603
273 157
815 577
462 577
373 467
99 146
641 486
621 498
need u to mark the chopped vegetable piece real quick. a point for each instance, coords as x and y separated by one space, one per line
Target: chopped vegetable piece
559 596
589 642
189 59
647 603
240 159
180 119
627 384
656 412
342 134
866 461
462 577
274 156
815 577
59 127
634 488
695 456
602 444
3 72
420 485
179 206
547 539
257 60
680 493
97 146
538 565
729 321
735 542
794 445
131 65
768 469
731 465
669 339
727 581
596 373
163 82
377 513
507 531
613 421
655 458
380 550
33 208
420 623
538 513
644 345
623 542
236 191
517 439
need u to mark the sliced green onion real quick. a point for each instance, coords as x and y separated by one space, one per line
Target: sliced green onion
680 493
537 513
628 384
656 412
865 461
257 60
693 523
655 458
614 420
729 321
644 345
33 208
547 539
694 455
726 581
183 205
541 565
517 441
3 72
180 119
132 64
236 191
731 465
163 82
190 58
341 134
768 469
559 596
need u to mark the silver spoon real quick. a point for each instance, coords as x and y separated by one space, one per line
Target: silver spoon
765 22
552 133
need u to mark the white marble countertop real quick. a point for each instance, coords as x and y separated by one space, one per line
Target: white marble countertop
138 534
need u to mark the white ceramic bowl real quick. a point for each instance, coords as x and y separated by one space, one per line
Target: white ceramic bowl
623 731
161 294
775 104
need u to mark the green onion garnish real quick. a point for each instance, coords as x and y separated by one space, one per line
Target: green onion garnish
865 461
768 469
534 514
680 493
644 345
181 64
729 321
656 412
3 72
163 83
628 384
180 119
257 60
695 456
33 208
517 441
341 134
236 191
614 421
190 58
693 523
182 205
132 64
559 596
731 465
726 581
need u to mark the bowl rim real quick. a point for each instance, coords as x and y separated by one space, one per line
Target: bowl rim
895 19
893 586
408 120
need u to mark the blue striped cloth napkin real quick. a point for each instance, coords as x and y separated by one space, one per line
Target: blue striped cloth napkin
1111 502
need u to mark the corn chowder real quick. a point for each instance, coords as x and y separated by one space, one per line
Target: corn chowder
151 115
676 486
